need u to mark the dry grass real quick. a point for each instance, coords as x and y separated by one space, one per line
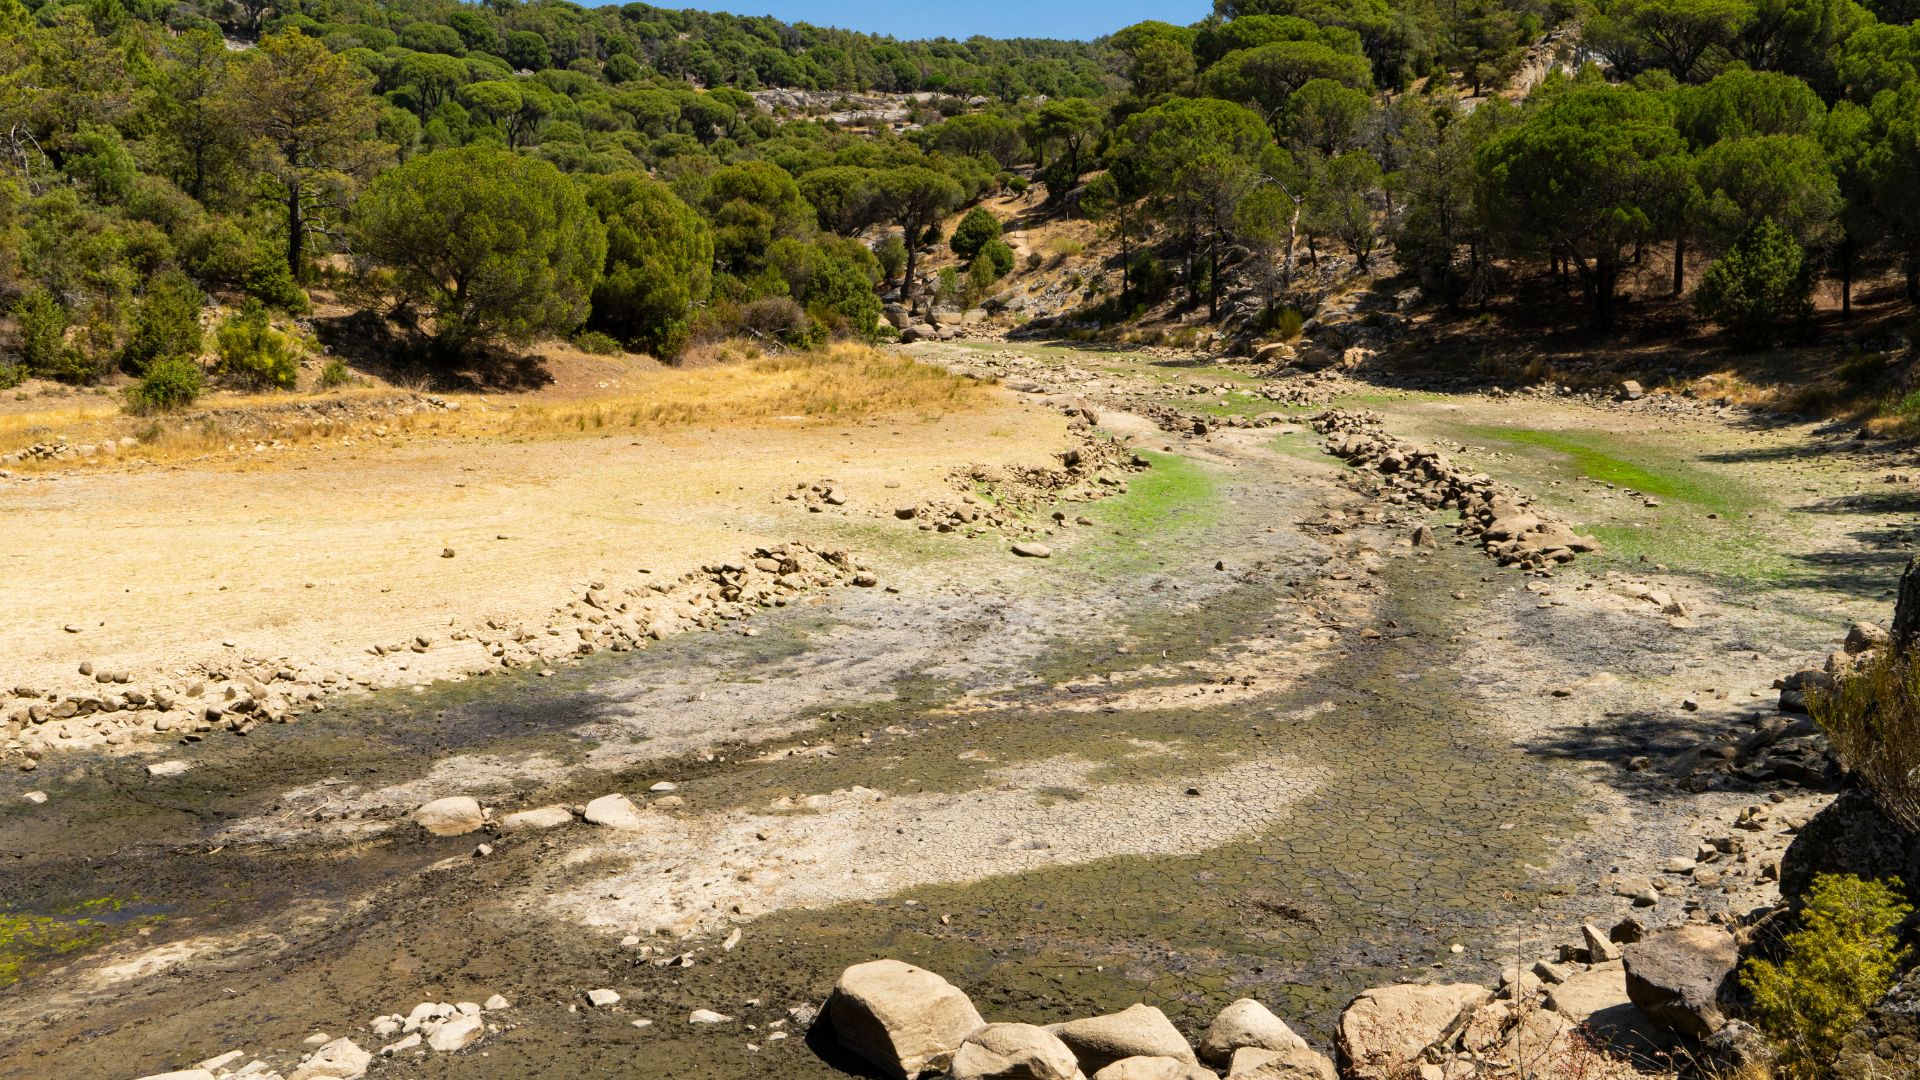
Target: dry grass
740 386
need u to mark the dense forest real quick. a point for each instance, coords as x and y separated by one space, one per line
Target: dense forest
503 172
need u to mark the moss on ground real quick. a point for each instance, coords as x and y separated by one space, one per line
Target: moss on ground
30 940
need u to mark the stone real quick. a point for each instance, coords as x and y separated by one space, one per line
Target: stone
457 1034
1600 947
1014 1052
1301 1063
1596 1000
1028 549
1246 1023
1852 835
401 1046
1153 1068
1864 637
601 999
614 811
35 797
160 770
1677 977
451 816
906 1020
1136 1031
340 1059
1631 391
182 1074
545 817
220 1062
1384 1029
496 1003
707 1016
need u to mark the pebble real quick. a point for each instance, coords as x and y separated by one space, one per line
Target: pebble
603 998
707 1016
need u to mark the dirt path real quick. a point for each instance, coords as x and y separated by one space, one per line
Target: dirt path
1238 736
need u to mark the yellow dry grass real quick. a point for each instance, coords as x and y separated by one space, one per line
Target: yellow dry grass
836 385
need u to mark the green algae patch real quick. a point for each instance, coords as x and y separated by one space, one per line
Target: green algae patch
30 941
1610 460
1176 494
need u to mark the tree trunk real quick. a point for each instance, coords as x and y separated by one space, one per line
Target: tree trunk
1846 277
906 285
1679 265
1293 240
1913 277
1213 282
1126 271
296 231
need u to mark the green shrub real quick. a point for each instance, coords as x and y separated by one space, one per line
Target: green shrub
1761 289
1841 961
1288 323
999 255
43 331
333 376
253 353
1018 184
596 343
269 280
169 383
892 253
974 232
166 324
12 375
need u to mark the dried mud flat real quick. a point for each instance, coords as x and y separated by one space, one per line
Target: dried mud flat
1238 735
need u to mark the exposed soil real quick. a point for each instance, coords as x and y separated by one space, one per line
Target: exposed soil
1237 736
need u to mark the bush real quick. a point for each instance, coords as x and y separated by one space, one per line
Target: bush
1064 247
998 255
1289 323
1760 289
780 319
596 343
892 253
43 331
12 375
169 383
974 232
1018 184
333 376
166 324
253 353
1841 961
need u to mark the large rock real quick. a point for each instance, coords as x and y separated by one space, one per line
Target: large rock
1677 977
1596 999
453 816
1384 1029
614 811
1886 1045
1245 1023
340 1059
1014 1052
906 1020
1301 1063
1135 1031
545 817
1851 836
1153 1068
457 1034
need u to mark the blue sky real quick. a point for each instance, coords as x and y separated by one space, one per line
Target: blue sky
1080 19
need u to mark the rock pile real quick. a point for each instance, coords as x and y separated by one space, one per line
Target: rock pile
109 706
1503 520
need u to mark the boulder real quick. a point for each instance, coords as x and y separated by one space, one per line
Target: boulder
182 1074
1014 1052
614 811
1852 835
1301 1063
337 1060
1136 1031
1153 1068
1631 391
1246 1023
545 817
1386 1028
1864 637
452 816
1677 977
1028 549
1596 1000
906 1020
457 1034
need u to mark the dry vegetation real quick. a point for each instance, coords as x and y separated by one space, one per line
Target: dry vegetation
735 385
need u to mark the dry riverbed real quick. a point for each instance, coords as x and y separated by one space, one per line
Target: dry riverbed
1237 736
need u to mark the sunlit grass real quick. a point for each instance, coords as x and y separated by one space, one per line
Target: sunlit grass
842 384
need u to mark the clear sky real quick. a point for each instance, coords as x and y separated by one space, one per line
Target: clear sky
1079 19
